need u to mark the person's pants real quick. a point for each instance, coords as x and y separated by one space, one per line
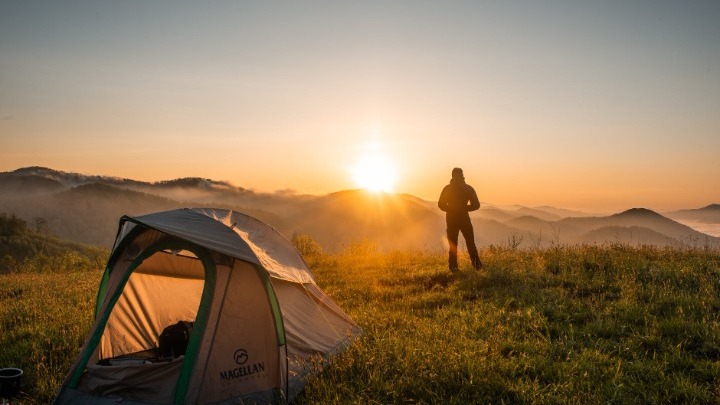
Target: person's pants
454 227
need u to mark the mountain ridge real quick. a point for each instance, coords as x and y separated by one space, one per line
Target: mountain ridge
86 209
708 214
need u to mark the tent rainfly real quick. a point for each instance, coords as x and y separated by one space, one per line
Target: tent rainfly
204 306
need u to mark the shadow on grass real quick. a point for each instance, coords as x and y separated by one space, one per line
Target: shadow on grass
424 281
494 282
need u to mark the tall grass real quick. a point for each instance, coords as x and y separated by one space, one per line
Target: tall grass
580 324
46 309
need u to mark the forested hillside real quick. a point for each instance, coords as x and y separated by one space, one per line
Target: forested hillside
20 242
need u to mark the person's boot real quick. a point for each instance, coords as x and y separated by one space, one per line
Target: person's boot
453 262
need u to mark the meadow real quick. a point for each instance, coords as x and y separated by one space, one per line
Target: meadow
566 324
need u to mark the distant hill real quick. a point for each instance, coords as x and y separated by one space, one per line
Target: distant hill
492 213
641 218
183 189
543 233
392 221
197 182
491 232
19 241
528 222
709 214
636 226
544 215
21 185
562 212
88 213
86 209
645 218
633 235
69 180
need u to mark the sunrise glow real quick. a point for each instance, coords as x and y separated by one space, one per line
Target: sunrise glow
375 173
597 106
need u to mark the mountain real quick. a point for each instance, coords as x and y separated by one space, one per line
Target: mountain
22 185
392 221
645 218
541 232
88 213
562 212
544 215
189 190
492 213
69 180
86 209
641 218
18 241
629 235
491 232
709 214
530 222
634 226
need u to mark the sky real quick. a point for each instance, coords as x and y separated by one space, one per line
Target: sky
599 106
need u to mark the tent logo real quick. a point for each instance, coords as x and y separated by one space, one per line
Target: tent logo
245 371
241 356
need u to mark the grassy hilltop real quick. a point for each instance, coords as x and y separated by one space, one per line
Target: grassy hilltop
575 324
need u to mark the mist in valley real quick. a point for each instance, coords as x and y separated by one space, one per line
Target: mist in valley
86 209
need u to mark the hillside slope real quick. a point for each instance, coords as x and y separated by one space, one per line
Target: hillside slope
19 241
709 214
87 208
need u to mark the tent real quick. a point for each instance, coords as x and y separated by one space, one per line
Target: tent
204 306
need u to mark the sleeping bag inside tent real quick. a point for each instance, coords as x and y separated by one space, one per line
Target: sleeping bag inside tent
204 306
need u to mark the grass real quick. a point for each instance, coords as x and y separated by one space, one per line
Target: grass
46 310
568 324
582 324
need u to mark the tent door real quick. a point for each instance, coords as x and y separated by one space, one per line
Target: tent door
170 283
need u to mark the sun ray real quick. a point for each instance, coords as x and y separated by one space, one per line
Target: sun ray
375 172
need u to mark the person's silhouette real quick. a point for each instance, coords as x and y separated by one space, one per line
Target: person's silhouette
457 200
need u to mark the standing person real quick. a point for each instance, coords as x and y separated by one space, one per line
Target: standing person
457 200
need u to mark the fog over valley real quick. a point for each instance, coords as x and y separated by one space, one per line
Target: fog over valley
86 209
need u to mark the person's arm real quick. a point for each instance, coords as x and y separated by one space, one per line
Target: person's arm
442 201
474 201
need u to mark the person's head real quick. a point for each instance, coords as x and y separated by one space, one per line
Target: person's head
457 173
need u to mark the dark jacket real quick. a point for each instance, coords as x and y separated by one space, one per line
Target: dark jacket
458 198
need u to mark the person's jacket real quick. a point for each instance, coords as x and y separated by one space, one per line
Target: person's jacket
458 198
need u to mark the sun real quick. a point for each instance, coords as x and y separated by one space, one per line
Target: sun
375 173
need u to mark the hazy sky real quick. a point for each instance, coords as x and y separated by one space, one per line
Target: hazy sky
601 105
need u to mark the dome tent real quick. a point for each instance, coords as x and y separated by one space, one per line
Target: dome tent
252 316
